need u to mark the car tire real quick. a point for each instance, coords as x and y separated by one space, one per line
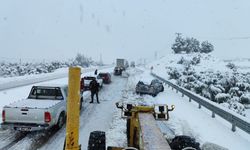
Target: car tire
128 130
162 89
97 140
184 142
81 101
61 120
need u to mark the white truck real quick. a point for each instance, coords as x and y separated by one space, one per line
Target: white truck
44 108
121 65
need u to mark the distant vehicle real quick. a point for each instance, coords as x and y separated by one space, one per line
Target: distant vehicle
88 79
152 89
132 64
44 108
105 76
118 71
121 65
142 88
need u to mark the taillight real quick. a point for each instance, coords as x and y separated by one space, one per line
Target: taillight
3 115
47 117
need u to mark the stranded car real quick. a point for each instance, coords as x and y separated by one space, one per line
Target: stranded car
152 89
105 76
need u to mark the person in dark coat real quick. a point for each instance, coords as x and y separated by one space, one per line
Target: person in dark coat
96 72
94 88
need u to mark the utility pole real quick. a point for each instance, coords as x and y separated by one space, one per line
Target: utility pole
155 55
101 62
178 34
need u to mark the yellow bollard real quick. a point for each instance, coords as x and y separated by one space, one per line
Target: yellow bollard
73 111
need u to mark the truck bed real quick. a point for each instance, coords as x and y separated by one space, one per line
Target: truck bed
34 103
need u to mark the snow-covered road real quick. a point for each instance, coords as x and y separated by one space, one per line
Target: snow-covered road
94 116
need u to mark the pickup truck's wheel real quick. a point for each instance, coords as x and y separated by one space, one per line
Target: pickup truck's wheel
128 130
97 141
184 143
61 121
154 95
81 101
162 88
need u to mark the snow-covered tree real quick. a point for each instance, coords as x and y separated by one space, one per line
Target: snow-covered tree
192 45
206 47
179 44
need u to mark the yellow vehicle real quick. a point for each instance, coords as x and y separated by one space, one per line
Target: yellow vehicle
142 130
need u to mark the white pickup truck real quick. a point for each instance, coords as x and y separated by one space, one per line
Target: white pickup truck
44 108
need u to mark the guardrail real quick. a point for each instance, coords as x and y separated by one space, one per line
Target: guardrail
232 118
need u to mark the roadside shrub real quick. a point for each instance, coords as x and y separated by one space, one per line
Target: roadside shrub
245 98
222 97
236 106
174 74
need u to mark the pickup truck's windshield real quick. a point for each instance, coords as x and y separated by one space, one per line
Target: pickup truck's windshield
51 93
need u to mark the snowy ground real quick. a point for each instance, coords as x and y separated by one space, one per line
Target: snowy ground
185 119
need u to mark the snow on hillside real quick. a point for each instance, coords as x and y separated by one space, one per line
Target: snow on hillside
186 119
221 81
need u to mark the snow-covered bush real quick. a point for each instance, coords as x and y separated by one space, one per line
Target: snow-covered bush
231 66
214 91
222 97
199 87
196 60
236 106
220 86
235 91
19 69
206 47
174 74
245 98
191 45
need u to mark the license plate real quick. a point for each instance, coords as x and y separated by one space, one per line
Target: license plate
23 128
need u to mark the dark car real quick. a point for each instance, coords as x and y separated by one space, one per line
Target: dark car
153 88
142 88
157 84
118 71
105 76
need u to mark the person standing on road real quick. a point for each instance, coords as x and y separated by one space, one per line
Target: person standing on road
94 88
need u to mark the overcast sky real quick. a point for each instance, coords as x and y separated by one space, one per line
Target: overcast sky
133 29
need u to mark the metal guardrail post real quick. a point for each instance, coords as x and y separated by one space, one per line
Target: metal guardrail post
199 106
213 114
233 127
